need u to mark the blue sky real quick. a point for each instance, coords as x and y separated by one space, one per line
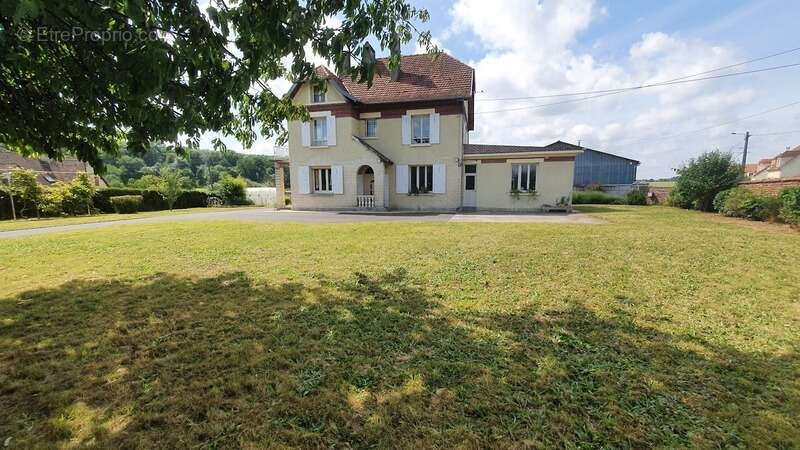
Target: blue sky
525 48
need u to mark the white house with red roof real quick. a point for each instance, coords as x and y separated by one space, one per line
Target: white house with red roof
785 165
403 143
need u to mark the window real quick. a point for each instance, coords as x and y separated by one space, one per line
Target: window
421 129
322 180
470 170
318 95
523 177
371 128
319 131
421 178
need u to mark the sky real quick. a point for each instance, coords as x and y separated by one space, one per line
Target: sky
529 48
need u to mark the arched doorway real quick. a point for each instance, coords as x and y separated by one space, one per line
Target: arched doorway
365 187
365 184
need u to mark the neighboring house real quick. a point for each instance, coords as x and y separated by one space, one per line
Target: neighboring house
403 143
785 165
48 171
596 167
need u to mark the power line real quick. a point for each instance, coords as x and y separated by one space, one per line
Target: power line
639 87
684 133
777 133
666 83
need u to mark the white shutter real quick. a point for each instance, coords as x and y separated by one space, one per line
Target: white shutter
401 179
303 180
439 178
406 130
337 174
305 132
331 125
434 128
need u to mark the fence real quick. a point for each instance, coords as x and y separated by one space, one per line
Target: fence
262 196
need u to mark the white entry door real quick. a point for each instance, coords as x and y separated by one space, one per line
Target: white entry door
470 185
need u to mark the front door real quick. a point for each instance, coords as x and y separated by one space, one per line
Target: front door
470 184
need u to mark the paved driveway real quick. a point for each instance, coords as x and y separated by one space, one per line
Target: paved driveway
271 215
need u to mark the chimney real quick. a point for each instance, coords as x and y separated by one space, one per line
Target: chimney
367 54
396 51
344 68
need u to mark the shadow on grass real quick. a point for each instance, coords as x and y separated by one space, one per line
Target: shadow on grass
372 360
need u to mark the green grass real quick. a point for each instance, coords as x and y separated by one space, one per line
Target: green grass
22 224
662 328
661 184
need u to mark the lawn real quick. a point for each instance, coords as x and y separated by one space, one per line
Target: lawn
662 328
21 224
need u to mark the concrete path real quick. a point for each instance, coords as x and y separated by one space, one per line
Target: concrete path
271 215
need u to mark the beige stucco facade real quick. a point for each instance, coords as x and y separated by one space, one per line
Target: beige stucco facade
493 185
349 155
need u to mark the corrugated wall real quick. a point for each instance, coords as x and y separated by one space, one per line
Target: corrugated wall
595 167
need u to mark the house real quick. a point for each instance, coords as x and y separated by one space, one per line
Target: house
596 167
403 143
785 165
48 171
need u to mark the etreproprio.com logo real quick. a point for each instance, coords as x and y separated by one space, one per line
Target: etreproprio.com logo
78 34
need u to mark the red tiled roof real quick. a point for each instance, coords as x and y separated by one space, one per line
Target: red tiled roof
421 78
793 152
48 171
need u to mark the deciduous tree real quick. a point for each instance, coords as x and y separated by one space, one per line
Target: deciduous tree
80 76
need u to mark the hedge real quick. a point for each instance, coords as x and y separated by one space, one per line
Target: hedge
595 198
151 200
126 204
790 205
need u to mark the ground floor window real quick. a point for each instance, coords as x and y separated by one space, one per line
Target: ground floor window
322 180
523 177
421 178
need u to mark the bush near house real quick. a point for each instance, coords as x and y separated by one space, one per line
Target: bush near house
231 190
636 197
741 202
701 179
126 204
790 205
595 198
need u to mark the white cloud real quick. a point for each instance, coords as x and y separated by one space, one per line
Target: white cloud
531 49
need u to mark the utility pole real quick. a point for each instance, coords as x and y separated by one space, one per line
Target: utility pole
744 153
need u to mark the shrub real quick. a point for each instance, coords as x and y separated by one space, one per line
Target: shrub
720 199
700 179
192 199
595 198
678 199
231 190
51 203
77 195
127 204
102 198
741 202
636 197
26 192
790 205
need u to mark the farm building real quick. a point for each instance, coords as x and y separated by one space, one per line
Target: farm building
596 167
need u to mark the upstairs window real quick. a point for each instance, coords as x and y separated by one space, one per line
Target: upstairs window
523 177
318 95
371 128
421 178
421 129
319 132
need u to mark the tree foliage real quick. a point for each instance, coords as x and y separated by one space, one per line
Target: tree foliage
26 189
81 76
171 184
702 178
